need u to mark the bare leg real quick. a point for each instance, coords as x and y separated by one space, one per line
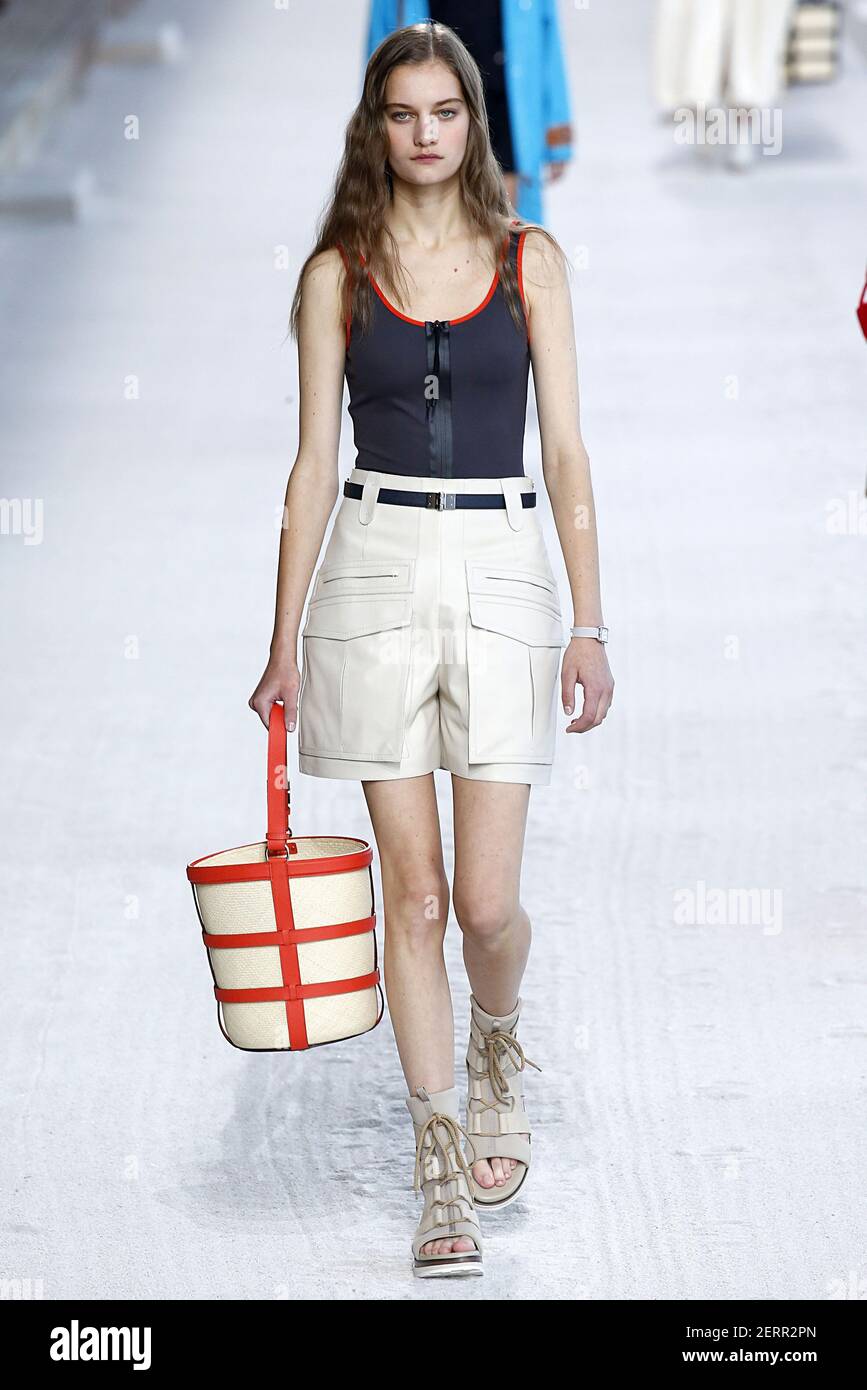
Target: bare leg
415 892
490 820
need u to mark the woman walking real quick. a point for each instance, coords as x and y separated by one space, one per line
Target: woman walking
434 630
711 54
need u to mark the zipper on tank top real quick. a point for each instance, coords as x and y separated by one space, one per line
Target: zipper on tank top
438 406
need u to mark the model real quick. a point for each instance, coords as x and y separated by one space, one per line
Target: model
434 631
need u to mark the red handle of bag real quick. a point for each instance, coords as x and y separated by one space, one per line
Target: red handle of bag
861 311
279 808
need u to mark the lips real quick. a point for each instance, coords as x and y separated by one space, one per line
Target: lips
425 158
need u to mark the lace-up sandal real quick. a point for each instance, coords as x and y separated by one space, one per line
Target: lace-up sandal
496 1114
443 1176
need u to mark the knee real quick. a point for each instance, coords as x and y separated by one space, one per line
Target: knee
416 905
489 920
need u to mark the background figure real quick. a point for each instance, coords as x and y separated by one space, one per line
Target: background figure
525 89
720 52
480 26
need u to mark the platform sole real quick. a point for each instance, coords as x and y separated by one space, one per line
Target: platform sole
483 1203
445 1268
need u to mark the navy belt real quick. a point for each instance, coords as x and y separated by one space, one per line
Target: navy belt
439 501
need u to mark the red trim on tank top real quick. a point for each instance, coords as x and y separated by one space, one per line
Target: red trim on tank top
520 262
420 323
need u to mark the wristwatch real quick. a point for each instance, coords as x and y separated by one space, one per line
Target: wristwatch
600 633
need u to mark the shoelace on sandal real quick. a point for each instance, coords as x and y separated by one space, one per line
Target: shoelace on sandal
510 1048
450 1148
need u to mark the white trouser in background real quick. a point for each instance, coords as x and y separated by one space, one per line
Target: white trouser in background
720 52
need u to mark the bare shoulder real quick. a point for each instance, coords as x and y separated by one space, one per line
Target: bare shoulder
321 292
543 265
323 274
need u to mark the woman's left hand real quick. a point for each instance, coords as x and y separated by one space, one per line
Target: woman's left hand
585 663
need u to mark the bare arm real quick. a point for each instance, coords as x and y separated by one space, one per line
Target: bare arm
313 483
566 469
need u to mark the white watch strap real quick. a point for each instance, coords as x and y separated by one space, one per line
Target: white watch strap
600 633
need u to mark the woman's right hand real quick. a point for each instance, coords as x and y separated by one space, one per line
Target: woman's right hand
281 680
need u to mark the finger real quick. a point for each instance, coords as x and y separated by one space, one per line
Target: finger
607 701
604 705
578 723
587 717
263 709
591 705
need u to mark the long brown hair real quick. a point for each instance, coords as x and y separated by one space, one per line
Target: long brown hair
363 185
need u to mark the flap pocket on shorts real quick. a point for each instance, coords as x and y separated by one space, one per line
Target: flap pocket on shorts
357 660
363 577
514 638
357 616
534 586
518 603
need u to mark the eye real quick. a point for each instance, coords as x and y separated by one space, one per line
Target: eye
396 116
447 111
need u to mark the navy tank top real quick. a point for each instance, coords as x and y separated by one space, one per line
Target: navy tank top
445 398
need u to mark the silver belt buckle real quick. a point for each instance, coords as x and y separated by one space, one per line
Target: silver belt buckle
440 501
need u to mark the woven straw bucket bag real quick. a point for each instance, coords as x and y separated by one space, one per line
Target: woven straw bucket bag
289 928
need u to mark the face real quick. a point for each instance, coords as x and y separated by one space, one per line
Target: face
427 122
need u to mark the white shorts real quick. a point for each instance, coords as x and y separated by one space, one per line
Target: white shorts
433 639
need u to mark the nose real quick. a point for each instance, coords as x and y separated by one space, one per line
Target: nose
428 131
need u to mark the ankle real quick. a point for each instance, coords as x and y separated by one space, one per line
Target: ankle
495 1022
497 1013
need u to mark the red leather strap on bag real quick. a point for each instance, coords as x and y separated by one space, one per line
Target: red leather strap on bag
290 967
293 992
200 871
244 940
278 831
277 855
861 311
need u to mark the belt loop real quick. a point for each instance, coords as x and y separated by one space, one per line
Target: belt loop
369 494
514 505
